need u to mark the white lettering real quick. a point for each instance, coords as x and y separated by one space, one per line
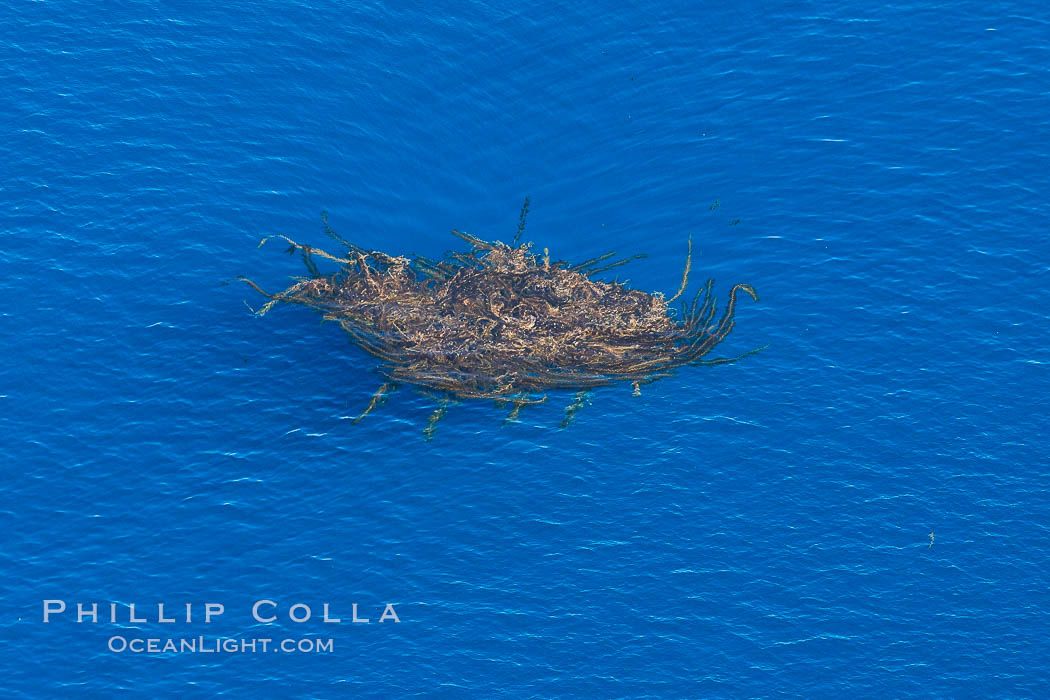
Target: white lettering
291 612
329 619
389 614
49 608
213 609
81 614
255 610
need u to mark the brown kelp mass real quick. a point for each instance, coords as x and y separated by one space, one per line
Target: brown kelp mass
502 322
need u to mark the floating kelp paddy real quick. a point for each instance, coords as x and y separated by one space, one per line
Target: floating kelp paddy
501 322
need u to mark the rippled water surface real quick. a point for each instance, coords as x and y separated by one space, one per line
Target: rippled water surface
753 530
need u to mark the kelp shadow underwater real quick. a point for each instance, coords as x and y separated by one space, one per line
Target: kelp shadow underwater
503 323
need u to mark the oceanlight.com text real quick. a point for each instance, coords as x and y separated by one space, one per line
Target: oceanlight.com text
119 644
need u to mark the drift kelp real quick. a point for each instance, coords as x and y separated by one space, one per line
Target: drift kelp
501 322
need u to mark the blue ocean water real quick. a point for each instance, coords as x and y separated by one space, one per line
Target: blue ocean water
754 530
